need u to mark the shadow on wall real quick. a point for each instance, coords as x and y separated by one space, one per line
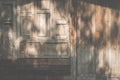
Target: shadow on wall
109 3
98 26
92 27
34 48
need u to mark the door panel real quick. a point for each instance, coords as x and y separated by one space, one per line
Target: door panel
86 58
7 12
46 50
55 49
44 36
26 25
86 62
42 31
42 24
61 30
6 26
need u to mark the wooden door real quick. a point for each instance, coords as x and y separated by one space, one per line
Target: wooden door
86 54
44 34
6 28
44 31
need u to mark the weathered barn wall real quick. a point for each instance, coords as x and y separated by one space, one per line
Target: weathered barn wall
97 39
82 33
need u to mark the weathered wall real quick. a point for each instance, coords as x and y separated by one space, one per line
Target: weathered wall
37 39
98 39
86 31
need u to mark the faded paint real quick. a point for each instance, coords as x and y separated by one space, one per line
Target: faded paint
87 30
